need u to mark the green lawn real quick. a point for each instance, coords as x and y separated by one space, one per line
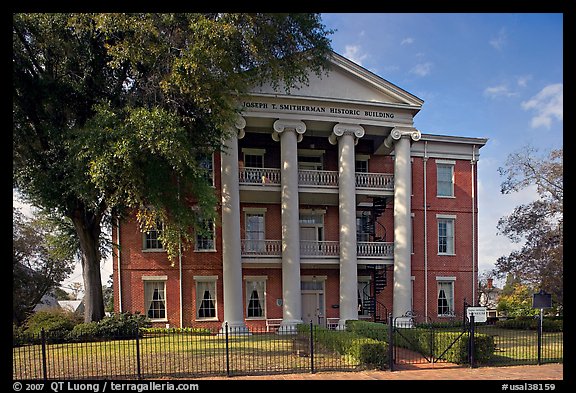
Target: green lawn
174 355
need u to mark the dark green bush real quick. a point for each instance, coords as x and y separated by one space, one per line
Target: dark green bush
57 323
531 323
364 350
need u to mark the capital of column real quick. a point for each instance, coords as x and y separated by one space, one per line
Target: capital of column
398 132
356 130
282 125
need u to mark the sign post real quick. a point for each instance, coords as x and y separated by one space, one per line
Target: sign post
479 314
541 300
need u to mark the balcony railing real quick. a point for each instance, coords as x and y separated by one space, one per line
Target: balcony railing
319 178
316 249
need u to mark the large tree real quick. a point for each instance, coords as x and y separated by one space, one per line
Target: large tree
113 113
538 225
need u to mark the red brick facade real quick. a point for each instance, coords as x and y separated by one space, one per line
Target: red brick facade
460 267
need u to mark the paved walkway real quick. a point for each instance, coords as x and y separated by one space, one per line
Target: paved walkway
425 372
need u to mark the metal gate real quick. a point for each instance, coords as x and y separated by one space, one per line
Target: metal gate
422 342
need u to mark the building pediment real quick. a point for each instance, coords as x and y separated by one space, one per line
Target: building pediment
346 81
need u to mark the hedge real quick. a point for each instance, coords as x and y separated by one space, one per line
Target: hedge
364 350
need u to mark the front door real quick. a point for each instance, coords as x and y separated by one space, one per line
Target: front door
313 307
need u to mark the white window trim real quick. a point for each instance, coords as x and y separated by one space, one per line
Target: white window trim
453 165
144 249
265 311
253 152
162 279
196 249
451 280
206 279
446 217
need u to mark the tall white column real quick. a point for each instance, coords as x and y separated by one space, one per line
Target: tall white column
347 135
289 132
402 302
231 244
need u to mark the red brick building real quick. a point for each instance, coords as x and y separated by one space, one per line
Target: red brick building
334 207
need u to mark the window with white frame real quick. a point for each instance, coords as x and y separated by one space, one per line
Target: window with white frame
151 240
205 236
205 297
361 165
255 297
363 227
253 158
445 178
445 235
207 164
445 296
255 232
155 298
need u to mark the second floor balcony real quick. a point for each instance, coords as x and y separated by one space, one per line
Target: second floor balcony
316 249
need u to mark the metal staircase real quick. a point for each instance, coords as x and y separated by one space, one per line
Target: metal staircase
376 309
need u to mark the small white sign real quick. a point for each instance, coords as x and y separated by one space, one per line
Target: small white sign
478 312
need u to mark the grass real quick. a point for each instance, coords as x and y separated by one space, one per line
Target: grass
189 355
176 355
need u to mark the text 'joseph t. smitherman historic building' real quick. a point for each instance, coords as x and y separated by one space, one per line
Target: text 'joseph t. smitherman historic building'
333 207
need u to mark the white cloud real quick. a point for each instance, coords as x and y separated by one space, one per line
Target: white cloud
548 105
522 81
353 53
498 91
422 69
500 40
407 40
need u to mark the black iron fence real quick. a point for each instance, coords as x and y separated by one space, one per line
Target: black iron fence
189 353
462 341
176 353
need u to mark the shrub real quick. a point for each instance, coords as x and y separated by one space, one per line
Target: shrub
57 323
122 325
365 350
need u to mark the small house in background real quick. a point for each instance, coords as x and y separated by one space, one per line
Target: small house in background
47 302
489 296
75 306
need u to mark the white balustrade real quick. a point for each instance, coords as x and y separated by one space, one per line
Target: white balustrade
263 176
316 249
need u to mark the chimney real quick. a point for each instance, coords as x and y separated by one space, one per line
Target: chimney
489 283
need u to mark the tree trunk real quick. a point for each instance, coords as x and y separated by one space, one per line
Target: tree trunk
87 226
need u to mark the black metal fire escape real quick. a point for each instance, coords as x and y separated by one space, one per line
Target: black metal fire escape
375 308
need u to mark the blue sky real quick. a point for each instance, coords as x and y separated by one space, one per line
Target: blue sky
490 75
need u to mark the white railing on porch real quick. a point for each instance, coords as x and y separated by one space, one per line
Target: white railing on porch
271 176
375 180
262 176
317 178
316 249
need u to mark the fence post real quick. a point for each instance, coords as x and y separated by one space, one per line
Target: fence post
390 342
471 347
311 347
138 371
44 367
227 349
540 338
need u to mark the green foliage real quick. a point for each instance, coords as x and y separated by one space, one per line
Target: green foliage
185 330
364 350
377 331
518 303
112 111
531 323
56 323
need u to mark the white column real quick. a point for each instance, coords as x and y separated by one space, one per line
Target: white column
402 302
289 132
347 135
231 244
